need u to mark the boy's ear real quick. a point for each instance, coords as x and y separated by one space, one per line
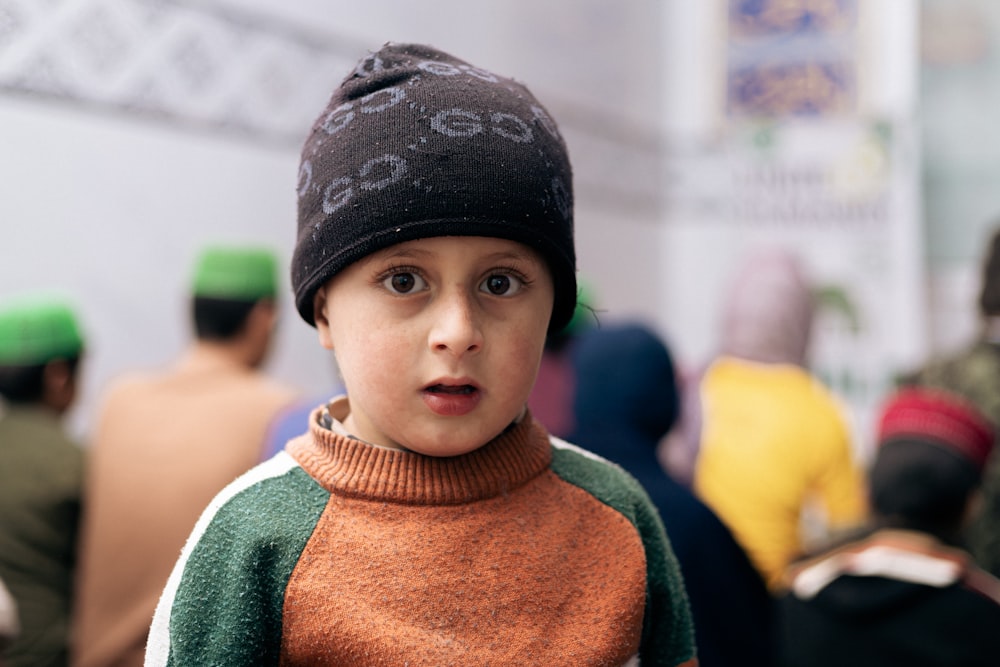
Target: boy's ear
319 317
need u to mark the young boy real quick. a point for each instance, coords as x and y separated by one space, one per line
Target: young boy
425 518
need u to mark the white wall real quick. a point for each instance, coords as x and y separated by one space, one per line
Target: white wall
111 212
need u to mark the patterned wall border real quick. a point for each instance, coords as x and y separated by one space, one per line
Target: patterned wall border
180 63
199 66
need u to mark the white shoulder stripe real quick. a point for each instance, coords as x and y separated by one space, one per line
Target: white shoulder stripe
559 443
878 561
158 644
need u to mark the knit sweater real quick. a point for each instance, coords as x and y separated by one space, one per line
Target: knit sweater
526 551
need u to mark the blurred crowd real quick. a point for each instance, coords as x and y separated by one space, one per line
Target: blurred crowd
743 456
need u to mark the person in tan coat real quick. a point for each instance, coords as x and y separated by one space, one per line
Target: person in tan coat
165 444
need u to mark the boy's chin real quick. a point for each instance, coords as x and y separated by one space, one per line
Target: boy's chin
444 450
456 437
450 444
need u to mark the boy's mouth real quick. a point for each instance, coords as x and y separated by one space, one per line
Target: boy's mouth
455 389
452 399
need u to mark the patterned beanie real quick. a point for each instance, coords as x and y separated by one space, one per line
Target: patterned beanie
940 418
416 143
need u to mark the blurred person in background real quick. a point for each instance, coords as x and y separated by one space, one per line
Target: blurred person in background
974 372
774 445
905 593
626 400
41 474
165 443
551 399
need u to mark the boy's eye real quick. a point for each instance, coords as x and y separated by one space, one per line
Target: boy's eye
403 282
502 284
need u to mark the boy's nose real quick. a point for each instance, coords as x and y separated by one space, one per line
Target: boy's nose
456 327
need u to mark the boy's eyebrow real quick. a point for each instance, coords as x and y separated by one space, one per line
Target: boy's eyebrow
521 255
417 252
400 252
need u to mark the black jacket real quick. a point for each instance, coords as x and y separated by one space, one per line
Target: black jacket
895 598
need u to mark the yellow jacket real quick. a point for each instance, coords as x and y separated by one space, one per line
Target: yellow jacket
773 438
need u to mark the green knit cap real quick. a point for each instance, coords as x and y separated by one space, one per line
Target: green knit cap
236 273
36 331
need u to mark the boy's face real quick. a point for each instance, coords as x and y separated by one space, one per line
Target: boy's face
438 340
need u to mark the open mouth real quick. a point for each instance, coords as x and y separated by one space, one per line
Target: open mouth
452 399
457 390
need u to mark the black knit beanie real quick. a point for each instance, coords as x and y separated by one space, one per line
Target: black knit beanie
416 143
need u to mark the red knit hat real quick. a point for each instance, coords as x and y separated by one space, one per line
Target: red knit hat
940 417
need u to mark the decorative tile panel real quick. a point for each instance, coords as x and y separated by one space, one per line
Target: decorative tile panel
172 61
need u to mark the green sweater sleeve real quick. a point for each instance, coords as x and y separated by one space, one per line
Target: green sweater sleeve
668 632
224 602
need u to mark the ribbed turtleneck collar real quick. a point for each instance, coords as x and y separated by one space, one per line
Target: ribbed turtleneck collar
350 467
